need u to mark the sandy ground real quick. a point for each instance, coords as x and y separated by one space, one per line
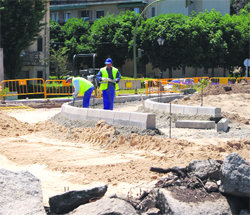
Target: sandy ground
71 157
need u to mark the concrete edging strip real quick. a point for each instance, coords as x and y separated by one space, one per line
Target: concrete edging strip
141 120
152 104
195 124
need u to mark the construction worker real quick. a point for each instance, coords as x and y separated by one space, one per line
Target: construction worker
109 78
83 87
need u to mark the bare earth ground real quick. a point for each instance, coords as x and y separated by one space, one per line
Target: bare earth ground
69 155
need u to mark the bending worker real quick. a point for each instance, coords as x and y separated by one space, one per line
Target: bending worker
83 87
109 78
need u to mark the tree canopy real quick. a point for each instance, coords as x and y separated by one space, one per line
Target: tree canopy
20 25
204 40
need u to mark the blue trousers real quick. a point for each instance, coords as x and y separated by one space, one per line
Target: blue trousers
86 97
108 98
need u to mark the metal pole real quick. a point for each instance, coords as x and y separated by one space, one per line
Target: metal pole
170 119
134 37
202 94
74 59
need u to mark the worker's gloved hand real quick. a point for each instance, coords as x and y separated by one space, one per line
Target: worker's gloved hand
105 79
111 80
117 80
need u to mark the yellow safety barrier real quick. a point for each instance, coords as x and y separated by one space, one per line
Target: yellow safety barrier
21 87
242 78
57 87
128 86
222 80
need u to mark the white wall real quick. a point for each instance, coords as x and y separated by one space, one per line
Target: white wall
172 6
223 6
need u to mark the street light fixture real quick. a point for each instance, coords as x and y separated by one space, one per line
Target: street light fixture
161 41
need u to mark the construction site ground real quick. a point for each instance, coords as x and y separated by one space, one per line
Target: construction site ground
73 155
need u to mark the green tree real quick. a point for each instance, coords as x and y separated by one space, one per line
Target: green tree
236 34
237 5
59 62
57 35
76 33
110 37
211 40
170 28
20 25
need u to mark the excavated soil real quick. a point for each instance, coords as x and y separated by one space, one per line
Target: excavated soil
69 155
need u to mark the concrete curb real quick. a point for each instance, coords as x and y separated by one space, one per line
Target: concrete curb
141 120
222 125
197 124
164 106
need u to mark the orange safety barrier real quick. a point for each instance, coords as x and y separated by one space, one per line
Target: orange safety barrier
57 87
21 87
163 86
197 79
60 87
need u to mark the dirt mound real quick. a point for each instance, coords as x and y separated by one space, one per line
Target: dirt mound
219 90
226 89
109 137
11 127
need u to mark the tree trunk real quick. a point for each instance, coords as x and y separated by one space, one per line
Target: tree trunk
170 72
195 72
212 72
183 70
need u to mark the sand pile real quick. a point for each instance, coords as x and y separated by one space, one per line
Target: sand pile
11 127
101 152
106 136
226 89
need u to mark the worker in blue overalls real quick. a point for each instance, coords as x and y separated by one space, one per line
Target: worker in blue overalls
82 87
109 78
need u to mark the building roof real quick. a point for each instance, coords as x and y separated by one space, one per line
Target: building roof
120 4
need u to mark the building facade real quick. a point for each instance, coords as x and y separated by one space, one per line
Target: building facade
35 57
61 11
187 6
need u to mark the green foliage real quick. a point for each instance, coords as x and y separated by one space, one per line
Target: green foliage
20 25
207 39
59 62
57 37
76 34
4 92
110 37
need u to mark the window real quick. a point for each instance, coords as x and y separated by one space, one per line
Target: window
152 11
40 44
99 14
85 14
67 16
137 10
54 16
39 74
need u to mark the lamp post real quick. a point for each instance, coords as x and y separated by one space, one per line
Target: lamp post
161 43
134 36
